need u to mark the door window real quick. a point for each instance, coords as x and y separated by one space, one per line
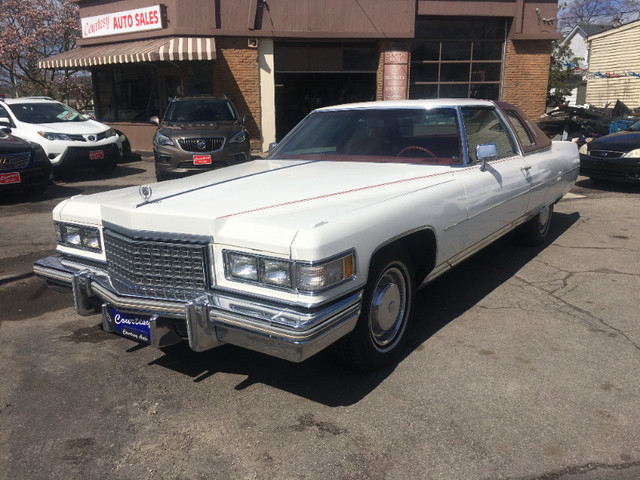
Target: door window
482 126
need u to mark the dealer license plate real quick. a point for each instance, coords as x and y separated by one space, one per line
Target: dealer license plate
202 159
6 178
96 155
131 325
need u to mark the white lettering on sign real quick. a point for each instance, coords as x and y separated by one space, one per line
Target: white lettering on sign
141 19
120 320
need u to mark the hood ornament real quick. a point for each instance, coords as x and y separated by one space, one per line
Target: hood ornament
145 192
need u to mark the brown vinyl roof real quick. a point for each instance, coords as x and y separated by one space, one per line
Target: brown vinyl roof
156 50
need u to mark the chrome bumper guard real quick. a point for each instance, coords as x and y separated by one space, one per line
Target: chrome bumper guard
283 331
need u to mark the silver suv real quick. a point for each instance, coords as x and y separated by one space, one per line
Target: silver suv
199 133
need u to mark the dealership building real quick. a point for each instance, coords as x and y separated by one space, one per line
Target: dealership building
279 59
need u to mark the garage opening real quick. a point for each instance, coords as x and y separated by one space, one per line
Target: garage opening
310 75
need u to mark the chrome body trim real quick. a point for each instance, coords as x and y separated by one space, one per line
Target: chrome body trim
285 331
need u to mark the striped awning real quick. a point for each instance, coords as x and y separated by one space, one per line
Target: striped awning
156 50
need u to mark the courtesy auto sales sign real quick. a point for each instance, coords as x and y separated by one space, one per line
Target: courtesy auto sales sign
127 21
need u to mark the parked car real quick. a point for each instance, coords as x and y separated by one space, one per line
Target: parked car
23 165
613 157
323 242
68 138
197 134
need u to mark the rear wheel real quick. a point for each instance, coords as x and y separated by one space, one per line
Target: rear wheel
380 333
535 231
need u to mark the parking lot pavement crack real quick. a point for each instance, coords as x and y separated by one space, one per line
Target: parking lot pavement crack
574 310
591 247
582 469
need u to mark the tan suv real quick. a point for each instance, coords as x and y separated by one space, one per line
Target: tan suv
197 134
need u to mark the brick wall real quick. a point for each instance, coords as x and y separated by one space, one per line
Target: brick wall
236 74
526 75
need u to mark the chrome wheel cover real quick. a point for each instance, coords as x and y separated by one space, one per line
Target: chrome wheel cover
544 219
388 312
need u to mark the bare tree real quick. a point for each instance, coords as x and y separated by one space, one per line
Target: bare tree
31 30
596 12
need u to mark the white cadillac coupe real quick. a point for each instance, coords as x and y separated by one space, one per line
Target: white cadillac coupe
323 242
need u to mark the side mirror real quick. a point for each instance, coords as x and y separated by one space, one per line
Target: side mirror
246 118
272 146
5 126
486 152
155 120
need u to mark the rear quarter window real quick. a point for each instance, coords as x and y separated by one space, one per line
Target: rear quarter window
523 134
529 135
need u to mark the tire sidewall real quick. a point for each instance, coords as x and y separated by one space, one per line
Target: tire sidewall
372 354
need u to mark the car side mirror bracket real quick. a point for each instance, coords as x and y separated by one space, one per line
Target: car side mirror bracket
486 152
5 126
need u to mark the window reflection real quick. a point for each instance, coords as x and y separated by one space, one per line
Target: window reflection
457 58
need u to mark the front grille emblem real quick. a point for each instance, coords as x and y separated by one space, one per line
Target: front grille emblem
92 138
201 144
5 162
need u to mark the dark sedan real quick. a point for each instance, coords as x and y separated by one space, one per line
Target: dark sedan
23 164
613 157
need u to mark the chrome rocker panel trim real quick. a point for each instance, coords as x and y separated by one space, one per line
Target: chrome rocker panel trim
283 331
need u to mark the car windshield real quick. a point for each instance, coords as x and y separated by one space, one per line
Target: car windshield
410 135
45 112
200 111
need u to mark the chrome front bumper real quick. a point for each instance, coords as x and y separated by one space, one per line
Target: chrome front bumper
284 331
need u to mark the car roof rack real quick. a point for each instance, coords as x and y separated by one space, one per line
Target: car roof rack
200 95
37 97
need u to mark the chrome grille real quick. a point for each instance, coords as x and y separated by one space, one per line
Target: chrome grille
14 160
153 268
203 144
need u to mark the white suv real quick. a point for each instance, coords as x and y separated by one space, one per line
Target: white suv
67 137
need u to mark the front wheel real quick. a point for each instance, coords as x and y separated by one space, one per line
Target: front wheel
535 231
380 333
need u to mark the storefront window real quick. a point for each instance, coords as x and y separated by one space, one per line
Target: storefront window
457 58
136 92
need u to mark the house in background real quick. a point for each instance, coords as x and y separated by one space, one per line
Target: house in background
614 66
578 41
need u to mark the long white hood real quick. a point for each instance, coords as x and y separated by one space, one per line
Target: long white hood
268 201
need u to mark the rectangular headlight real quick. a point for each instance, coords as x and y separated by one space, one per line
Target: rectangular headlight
276 272
91 238
242 267
72 234
78 236
279 273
